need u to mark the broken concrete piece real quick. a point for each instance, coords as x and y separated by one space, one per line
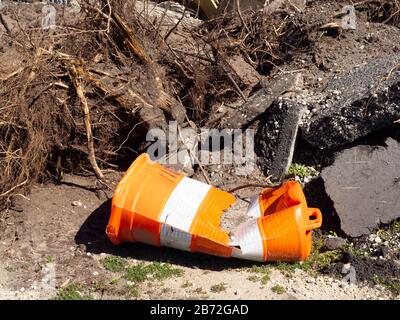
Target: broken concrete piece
364 100
262 99
276 137
364 185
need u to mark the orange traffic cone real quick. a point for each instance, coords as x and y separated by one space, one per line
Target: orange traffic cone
157 206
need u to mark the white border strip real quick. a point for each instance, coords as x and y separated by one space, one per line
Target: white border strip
175 238
183 203
249 241
254 209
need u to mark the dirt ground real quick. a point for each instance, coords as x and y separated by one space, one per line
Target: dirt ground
53 245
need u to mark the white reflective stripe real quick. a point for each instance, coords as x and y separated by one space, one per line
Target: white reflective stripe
175 238
183 203
254 209
249 241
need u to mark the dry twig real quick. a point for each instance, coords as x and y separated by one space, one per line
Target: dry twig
76 77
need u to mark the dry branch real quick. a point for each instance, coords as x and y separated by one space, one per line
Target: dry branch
76 77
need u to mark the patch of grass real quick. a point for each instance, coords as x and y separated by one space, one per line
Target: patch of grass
289 268
186 284
72 292
326 259
10 269
155 270
99 286
265 278
391 285
263 270
254 278
114 263
199 290
278 289
132 291
136 273
115 280
162 271
165 290
220 287
300 170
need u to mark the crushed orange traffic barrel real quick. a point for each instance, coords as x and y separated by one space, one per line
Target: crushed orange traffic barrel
285 222
160 207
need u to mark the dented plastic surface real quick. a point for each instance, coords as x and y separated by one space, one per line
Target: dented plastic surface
160 207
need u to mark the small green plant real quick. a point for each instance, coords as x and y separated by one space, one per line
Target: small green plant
300 170
155 270
332 233
391 285
220 287
278 289
114 263
265 278
49 259
395 227
72 292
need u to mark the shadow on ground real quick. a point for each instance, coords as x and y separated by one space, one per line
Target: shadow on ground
92 235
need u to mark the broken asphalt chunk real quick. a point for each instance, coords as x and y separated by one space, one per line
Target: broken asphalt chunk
364 100
276 137
258 103
364 186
